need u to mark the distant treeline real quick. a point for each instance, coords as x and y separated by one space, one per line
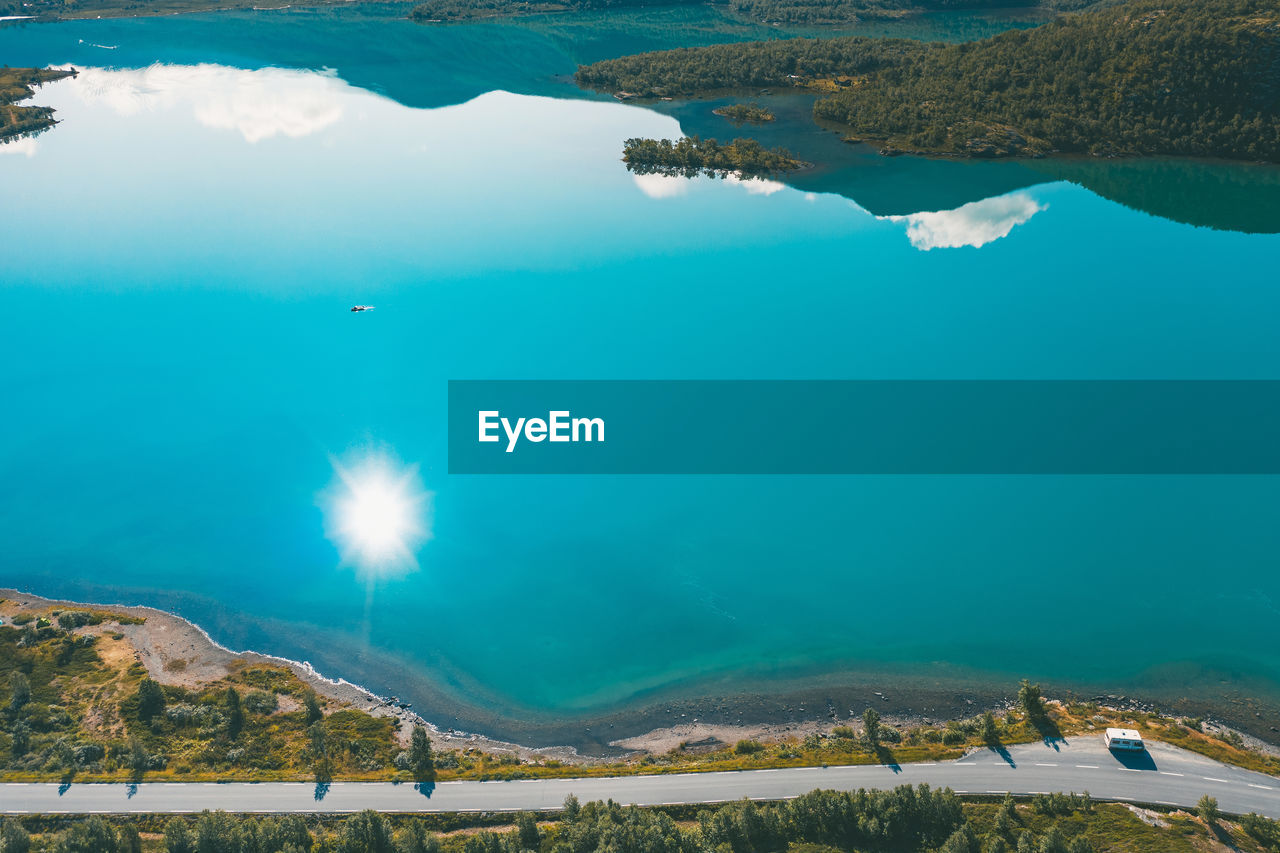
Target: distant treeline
1187 77
795 12
448 11
842 12
692 156
52 10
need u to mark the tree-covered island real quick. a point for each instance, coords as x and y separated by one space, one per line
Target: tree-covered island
746 113
1147 77
691 156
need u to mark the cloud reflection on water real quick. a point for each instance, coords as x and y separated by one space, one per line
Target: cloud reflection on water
661 186
276 102
670 186
25 146
756 186
974 224
257 104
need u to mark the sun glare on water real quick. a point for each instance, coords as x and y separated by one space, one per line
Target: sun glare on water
376 513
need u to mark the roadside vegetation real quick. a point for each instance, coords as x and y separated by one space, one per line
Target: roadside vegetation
18 84
76 704
1147 77
899 821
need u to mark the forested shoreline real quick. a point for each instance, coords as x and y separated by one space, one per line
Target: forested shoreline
18 84
1149 77
774 12
804 63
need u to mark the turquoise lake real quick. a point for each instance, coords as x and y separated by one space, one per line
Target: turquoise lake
184 376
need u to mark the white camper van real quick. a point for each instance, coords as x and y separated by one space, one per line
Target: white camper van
1125 739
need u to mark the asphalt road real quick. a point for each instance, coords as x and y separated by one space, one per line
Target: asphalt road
1164 776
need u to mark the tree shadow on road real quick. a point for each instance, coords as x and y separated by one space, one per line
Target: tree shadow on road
1003 751
322 790
426 788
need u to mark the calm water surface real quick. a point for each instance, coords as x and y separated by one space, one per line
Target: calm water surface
183 375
